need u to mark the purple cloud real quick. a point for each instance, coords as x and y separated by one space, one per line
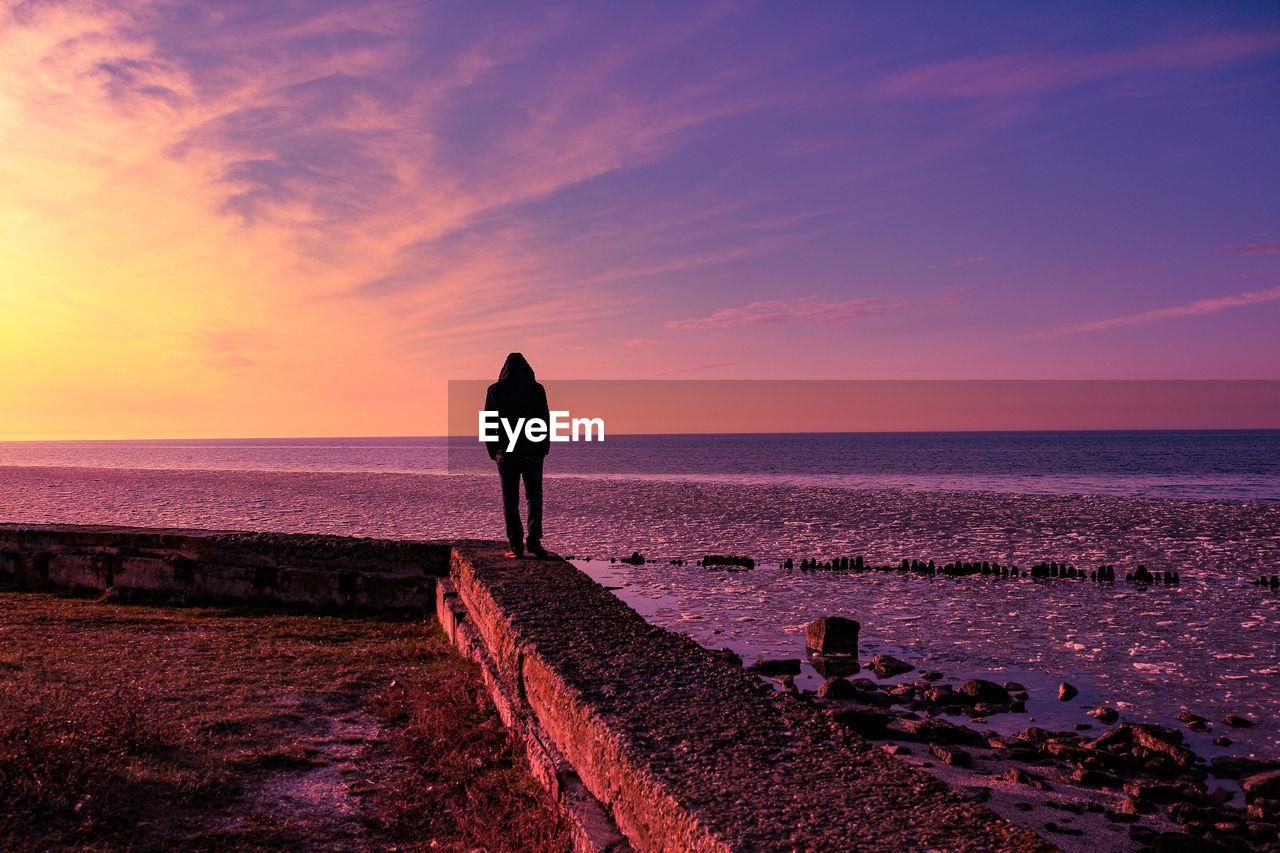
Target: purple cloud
1250 249
1021 75
1202 306
801 310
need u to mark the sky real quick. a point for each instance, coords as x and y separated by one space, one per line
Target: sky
282 219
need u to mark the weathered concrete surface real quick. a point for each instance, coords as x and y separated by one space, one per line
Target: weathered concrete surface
591 825
310 569
686 750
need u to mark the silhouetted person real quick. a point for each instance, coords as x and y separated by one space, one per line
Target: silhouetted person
517 395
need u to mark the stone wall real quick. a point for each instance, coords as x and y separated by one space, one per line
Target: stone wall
273 568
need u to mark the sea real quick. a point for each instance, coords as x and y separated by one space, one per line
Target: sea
1203 503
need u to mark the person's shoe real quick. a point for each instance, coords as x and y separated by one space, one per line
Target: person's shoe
515 553
538 552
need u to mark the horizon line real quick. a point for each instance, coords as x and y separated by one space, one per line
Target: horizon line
633 434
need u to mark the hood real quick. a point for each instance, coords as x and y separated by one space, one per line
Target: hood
516 369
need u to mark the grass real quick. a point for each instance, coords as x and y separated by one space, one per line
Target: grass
128 727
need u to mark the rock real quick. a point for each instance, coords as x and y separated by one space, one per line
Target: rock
1263 832
1188 717
1022 777
1157 748
865 721
1222 740
1013 686
1237 722
1162 739
931 676
1132 805
1263 809
1036 735
937 730
833 635
836 665
1112 742
838 688
1020 750
902 693
1235 766
1185 813
1067 750
1093 778
1067 692
1017 774
1266 785
942 695
1158 792
1222 796
1105 715
951 755
770 668
887 666
981 690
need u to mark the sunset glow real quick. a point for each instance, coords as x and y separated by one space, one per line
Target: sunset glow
247 219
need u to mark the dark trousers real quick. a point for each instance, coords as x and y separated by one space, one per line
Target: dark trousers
511 469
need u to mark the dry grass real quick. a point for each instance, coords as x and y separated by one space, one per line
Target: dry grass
143 728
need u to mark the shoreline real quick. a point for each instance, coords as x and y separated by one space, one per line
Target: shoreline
703 480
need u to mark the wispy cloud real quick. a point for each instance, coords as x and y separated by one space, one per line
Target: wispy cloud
801 310
956 295
225 347
1193 309
354 138
1027 74
1250 249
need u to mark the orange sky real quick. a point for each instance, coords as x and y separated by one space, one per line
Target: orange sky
247 219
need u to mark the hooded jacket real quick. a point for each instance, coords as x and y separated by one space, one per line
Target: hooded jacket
517 395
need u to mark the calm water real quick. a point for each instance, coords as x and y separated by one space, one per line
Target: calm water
1242 465
1204 504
